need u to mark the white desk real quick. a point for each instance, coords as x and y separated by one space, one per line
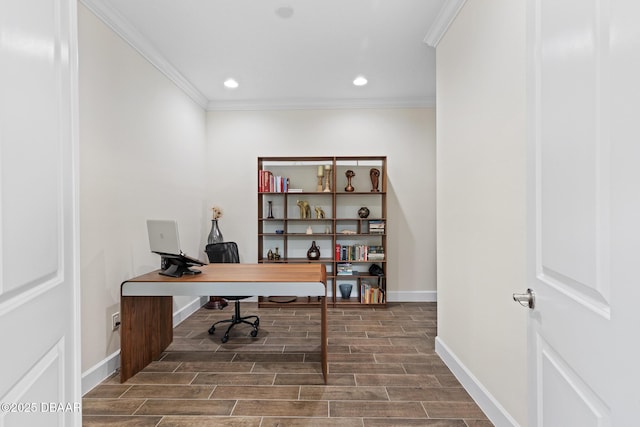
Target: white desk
146 302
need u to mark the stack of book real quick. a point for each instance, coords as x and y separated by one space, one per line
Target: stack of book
345 269
376 226
375 253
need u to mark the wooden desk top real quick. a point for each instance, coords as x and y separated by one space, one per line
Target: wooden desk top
235 279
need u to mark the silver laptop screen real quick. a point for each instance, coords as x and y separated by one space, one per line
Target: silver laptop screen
163 236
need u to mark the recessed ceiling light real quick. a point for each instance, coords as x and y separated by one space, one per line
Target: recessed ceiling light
360 81
284 12
230 84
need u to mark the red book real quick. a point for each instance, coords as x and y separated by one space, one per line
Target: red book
337 252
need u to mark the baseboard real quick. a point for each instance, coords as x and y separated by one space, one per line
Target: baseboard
105 368
180 315
485 400
412 296
99 372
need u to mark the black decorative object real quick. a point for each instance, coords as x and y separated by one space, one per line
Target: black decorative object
363 212
314 251
270 212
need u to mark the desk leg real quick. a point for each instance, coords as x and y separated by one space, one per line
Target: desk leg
324 337
146 330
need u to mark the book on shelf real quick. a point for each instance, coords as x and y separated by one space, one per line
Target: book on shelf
371 294
270 183
359 252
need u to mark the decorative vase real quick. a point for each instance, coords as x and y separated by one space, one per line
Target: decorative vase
270 212
349 174
345 290
314 251
215 235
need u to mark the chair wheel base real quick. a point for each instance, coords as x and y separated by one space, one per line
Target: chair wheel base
212 330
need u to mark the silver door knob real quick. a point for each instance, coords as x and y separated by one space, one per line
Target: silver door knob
526 300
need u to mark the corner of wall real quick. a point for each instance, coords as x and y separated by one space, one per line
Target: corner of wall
496 413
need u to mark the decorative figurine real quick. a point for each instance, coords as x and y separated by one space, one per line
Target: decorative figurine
363 212
327 173
319 212
309 230
314 251
374 174
276 255
270 255
349 174
305 210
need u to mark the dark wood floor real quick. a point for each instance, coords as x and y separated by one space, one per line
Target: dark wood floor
383 372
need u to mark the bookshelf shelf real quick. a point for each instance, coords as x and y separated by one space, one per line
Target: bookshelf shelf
287 184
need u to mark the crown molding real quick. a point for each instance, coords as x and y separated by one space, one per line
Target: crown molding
311 104
446 16
114 20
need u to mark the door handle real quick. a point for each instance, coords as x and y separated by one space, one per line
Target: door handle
526 300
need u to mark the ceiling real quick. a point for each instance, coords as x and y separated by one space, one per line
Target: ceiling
288 53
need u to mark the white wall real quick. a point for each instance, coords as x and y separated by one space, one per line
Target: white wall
405 136
481 132
142 144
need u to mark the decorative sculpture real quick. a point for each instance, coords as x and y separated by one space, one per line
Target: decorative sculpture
349 174
270 210
374 174
305 209
319 212
363 212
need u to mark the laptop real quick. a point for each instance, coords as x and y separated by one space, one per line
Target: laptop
164 239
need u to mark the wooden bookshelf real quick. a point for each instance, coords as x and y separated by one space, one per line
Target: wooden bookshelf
284 181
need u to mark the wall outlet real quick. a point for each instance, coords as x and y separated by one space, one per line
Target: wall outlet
115 321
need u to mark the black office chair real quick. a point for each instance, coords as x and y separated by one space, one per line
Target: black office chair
227 252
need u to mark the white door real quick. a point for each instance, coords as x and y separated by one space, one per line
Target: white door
39 310
584 227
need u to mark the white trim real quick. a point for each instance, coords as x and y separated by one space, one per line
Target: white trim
445 18
100 371
114 20
485 400
412 296
182 314
105 368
